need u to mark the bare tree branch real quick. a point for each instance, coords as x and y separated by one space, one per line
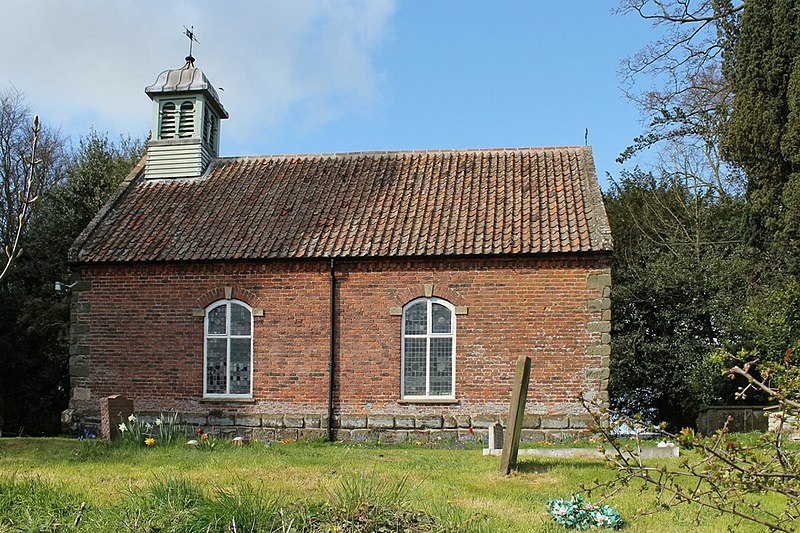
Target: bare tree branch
27 199
678 82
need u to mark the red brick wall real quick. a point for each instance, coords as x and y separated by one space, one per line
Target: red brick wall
135 334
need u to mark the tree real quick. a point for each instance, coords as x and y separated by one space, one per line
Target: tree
31 161
679 84
724 113
675 266
763 134
34 387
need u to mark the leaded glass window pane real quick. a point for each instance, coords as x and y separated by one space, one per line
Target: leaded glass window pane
441 366
415 366
229 353
217 320
216 365
240 320
240 366
417 319
441 321
428 343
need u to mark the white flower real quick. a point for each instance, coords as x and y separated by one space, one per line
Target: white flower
123 428
158 422
132 418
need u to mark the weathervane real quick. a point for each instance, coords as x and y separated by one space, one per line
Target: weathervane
189 32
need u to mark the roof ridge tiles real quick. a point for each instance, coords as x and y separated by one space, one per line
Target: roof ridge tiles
378 153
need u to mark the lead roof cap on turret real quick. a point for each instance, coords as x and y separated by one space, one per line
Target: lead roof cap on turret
188 78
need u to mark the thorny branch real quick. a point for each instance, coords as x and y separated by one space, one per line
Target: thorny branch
720 473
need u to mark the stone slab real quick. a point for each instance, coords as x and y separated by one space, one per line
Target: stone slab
429 422
353 421
449 422
484 421
272 421
380 422
311 433
312 421
286 434
555 422
293 421
249 421
404 422
590 453
393 437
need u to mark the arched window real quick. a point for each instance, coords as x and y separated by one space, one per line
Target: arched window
167 130
228 368
186 126
429 344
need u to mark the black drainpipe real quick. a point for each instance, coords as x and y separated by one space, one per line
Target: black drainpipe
332 364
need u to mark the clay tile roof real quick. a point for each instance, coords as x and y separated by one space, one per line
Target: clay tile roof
370 204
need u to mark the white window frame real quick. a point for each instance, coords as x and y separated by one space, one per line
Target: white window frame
228 337
428 336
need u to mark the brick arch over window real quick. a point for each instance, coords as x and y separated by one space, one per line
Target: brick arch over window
437 289
229 293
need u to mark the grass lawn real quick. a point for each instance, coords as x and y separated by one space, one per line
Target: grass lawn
43 482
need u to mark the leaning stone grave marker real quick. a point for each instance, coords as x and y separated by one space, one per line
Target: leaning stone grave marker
516 414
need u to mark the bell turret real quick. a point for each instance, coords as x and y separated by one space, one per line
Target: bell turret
186 117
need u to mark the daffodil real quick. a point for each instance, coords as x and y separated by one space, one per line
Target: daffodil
149 441
123 428
131 418
158 422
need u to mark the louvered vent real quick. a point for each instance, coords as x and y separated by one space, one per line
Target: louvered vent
186 126
167 130
209 128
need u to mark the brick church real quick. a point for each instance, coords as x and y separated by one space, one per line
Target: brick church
366 294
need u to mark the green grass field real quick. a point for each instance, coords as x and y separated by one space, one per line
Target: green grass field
311 487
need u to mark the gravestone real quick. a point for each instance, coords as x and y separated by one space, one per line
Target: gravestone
496 436
113 410
516 414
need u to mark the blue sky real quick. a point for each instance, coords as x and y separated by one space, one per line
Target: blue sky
346 75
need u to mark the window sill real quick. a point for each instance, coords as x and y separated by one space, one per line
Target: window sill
222 399
428 401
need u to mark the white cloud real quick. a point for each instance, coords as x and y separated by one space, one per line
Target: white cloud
87 62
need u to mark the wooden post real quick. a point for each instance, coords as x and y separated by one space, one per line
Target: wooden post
516 415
